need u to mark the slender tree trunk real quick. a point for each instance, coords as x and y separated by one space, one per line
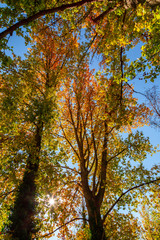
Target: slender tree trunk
22 218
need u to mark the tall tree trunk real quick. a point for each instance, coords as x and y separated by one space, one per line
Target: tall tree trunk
22 218
95 221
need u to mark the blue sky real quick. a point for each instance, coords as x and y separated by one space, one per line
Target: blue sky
141 86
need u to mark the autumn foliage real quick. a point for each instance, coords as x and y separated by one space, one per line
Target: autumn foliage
72 153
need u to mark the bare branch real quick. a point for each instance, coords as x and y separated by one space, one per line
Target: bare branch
136 91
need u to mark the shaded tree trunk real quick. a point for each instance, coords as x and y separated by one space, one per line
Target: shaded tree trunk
22 217
95 221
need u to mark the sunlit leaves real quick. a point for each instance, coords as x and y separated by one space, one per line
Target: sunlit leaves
150 215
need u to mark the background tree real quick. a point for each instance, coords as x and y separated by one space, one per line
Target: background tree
149 210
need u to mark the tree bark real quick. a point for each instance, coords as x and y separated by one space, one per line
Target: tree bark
22 217
95 221
93 205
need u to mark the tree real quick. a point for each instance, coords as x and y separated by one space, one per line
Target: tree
94 114
150 215
28 103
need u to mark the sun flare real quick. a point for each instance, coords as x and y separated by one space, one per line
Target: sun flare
51 201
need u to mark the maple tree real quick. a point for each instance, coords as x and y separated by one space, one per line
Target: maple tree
93 111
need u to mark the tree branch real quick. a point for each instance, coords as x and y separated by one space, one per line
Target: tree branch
116 155
26 21
66 167
41 13
124 193
101 16
65 137
4 195
96 161
72 220
104 163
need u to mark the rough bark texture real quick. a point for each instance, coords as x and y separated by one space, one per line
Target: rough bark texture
22 218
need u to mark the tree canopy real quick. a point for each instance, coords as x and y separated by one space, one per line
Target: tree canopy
72 159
